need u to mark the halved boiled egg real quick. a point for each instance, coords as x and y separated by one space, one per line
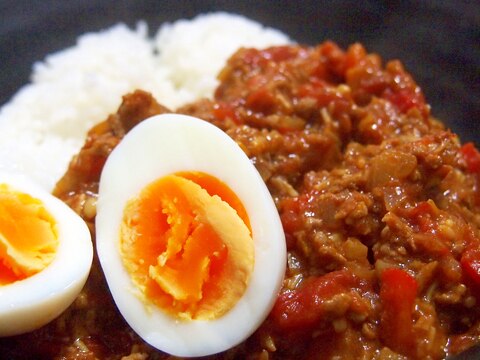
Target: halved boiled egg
188 236
45 255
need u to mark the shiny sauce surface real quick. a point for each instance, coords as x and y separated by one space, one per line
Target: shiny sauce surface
379 203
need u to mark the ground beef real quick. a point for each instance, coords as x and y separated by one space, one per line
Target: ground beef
379 203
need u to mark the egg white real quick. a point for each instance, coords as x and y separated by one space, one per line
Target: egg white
163 145
28 304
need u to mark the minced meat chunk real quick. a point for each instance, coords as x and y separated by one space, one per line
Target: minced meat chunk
379 202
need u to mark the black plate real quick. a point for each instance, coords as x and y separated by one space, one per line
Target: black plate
438 41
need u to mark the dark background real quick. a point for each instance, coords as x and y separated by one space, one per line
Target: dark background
438 41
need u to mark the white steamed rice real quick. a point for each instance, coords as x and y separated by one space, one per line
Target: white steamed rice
45 123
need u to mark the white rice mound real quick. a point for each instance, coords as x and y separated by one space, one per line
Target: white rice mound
46 121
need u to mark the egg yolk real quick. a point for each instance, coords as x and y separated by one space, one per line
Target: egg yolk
186 242
28 235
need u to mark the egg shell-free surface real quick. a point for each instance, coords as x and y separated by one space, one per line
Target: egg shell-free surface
27 304
167 144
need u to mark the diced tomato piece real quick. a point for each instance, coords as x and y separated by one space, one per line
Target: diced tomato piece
301 309
355 54
279 53
320 71
261 100
253 57
291 219
293 210
335 57
275 54
424 216
324 94
223 111
398 291
472 157
470 262
406 99
312 88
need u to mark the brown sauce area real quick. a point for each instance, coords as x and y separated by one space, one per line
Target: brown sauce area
379 203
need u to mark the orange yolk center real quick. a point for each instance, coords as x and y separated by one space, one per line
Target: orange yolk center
28 236
186 242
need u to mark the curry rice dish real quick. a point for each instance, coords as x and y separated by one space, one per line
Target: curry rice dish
378 201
